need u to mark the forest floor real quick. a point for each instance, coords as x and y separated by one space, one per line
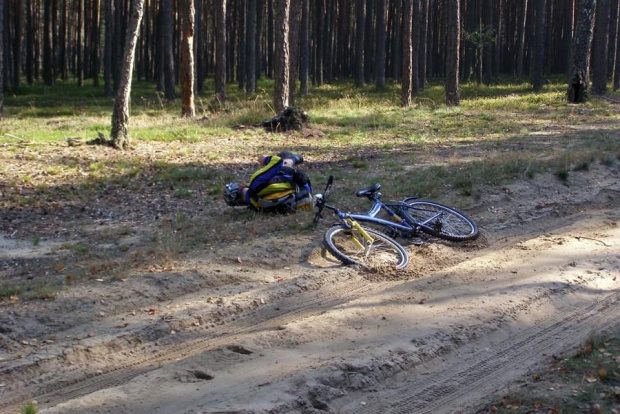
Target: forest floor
128 286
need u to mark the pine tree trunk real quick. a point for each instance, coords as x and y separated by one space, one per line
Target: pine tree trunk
250 47
30 33
567 34
48 59
17 43
220 51
578 85
453 36
107 51
80 44
600 48
241 30
616 80
282 64
423 44
1 59
96 30
488 48
270 40
120 116
369 60
167 32
539 55
407 76
293 49
521 43
117 44
188 12
199 46
305 46
360 27
415 47
381 35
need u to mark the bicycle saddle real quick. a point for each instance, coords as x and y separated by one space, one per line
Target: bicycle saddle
368 191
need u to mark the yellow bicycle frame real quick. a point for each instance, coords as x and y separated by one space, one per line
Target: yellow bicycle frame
367 237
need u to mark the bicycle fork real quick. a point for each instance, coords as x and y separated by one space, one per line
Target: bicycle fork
359 236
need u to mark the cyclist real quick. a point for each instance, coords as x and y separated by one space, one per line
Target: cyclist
276 186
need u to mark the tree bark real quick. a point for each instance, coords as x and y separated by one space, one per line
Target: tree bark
95 33
282 64
539 57
600 48
30 33
1 59
17 42
293 49
188 12
407 76
423 44
107 51
369 59
250 47
381 35
48 60
578 85
360 27
453 36
120 117
521 43
305 46
80 44
415 47
220 51
567 34
167 33
616 80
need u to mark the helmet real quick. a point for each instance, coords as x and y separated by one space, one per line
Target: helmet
296 158
233 194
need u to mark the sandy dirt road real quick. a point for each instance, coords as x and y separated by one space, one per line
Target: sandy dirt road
218 336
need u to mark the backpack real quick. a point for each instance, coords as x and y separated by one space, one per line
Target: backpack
288 190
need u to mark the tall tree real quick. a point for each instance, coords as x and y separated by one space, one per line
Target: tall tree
453 35
407 78
17 41
600 48
1 59
380 53
578 84
282 64
616 80
95 32
120 117
521 43
415 45
567 33
360 27
423 44
293 45
48 58
167 9
220 51
188 80
107 51
250 47
304 46
80 43
539 57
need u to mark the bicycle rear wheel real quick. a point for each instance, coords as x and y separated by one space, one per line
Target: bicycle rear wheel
439 220
341 243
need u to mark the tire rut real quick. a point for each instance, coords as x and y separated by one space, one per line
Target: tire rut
480 373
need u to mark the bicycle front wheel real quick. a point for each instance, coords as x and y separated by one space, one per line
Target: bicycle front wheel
348 246
439 220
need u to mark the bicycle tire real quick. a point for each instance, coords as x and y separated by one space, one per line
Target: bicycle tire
384 250
454 225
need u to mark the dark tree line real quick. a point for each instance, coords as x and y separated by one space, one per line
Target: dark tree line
312 41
